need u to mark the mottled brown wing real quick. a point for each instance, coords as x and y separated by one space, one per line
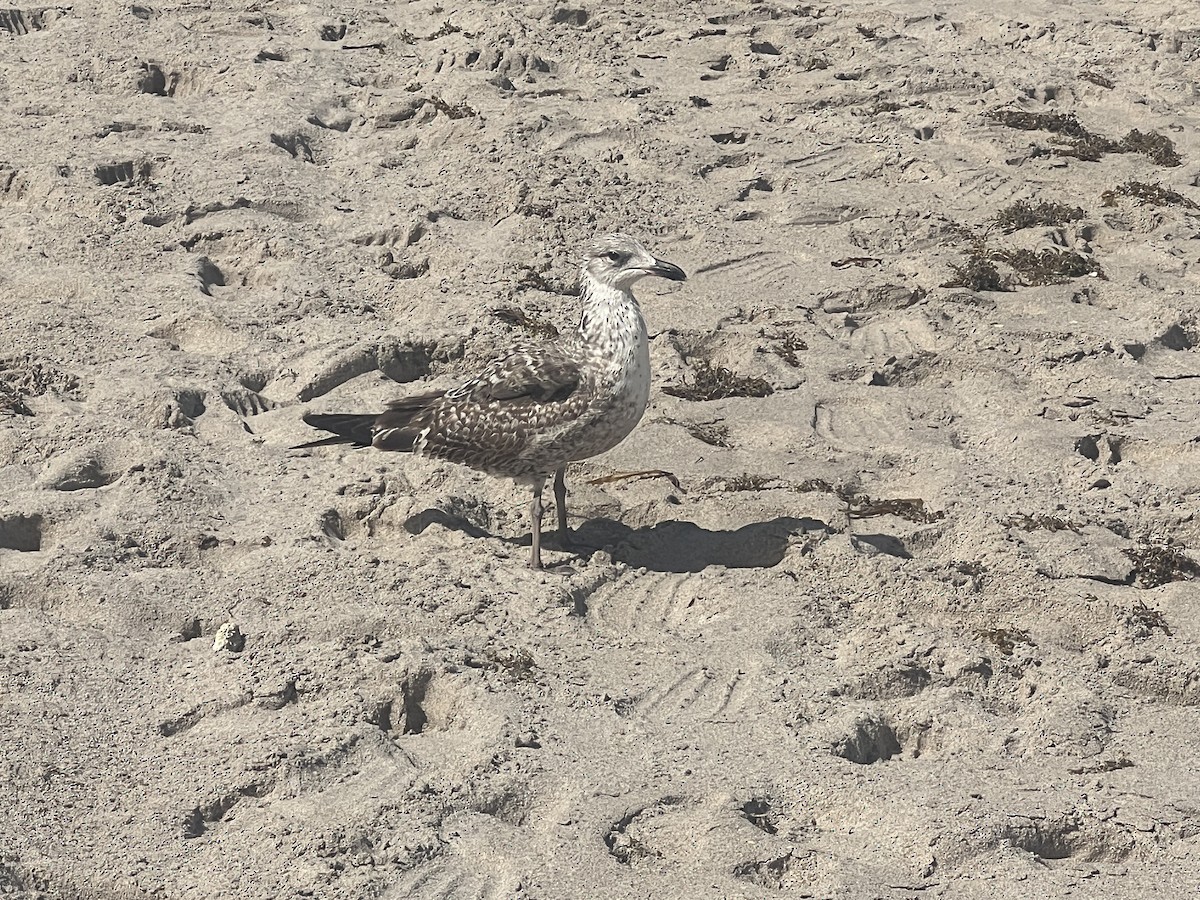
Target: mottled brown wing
541 375
488 422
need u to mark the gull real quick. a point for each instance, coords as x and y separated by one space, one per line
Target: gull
534 410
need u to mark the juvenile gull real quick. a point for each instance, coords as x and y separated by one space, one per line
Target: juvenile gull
534 410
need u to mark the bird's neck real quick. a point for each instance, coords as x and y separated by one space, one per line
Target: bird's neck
611 316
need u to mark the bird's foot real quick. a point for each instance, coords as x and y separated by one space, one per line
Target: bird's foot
562 568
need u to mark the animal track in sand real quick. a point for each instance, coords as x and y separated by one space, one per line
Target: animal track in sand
769 873
851 424
454 879
400 360
909 371
201 334
424 701
22 533
204 816
763 267
507 61
125 174
296 144
622 838
159 80
208 274
899 334
154 80
868 738
170 408
12 184
637 603
891 681
1066 836
333 31
184 722
696 696
402 236
27 21
83 469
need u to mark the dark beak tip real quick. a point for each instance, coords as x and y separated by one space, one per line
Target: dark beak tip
670 271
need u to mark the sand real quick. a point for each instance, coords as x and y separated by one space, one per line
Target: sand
915 617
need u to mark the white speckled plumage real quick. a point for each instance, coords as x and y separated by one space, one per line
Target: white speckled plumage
534 410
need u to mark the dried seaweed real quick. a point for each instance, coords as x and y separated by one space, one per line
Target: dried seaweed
1097 79
1055 123
1050 266
714 435
861 262
815 485
716 383
747 482
1149 619
517 665
1075 140
860 506
461 111
788 346
1041 523
1005 639
1157 147
1157 564
11 403
28 376
1107 765
979 274
1153 194
638 476
1024 214
447 28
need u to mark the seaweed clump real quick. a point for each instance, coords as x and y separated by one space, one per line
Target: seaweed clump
1075 140
979 274
1097 79
748 482
1024 214
1154 194
452 111
1158 564
1030 268
714 435
1050 266
711 382
1005 639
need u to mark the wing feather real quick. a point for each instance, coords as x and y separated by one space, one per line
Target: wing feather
541 375
489 421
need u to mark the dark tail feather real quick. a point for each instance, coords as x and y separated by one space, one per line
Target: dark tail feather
347 428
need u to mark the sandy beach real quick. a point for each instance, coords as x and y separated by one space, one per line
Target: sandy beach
891 594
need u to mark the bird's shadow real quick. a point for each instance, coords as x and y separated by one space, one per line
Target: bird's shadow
675 546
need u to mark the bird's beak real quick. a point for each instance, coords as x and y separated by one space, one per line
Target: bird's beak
664 269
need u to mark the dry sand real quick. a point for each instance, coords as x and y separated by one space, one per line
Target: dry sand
922 622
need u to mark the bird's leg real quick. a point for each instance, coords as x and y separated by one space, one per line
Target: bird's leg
535 524
560 505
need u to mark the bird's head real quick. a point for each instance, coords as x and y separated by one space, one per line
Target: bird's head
618 261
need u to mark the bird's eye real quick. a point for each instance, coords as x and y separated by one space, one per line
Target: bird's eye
614 256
